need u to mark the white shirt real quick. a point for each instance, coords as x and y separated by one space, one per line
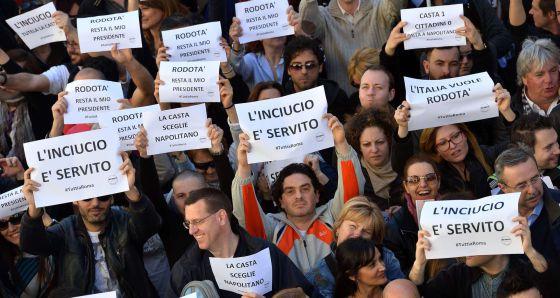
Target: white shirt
349 17
104 282
537 109
58 76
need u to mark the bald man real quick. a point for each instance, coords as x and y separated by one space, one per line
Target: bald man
401 288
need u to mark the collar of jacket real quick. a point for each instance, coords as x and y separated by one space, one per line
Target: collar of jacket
281 216
365 7
81 227
551 205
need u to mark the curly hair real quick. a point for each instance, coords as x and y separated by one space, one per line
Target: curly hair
365 119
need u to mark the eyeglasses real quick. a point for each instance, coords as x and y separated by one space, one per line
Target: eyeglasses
100 199
14 220
455 138
196 222
415 180
203 166
523 185
299 66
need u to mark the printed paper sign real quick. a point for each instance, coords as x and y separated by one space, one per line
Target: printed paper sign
37 27
273 168
461 228
262 19
441 102
99 34
285 127
76 167
434 26
88 98
191 295
189 82
126 124
101 295
12 202
176 130
250 274
195 43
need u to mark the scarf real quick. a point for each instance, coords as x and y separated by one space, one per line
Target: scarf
380 178
16 132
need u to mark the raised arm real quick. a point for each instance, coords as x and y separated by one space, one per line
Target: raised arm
517 15
312 21
143 95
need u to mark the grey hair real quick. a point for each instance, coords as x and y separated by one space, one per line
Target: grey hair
510 158
535 52
189 174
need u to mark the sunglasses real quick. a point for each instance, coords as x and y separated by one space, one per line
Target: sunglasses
203 166
101 198
415 180
14 220
307 66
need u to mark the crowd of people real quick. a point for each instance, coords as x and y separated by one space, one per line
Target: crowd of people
344 223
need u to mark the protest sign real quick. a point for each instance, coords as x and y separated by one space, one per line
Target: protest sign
99 34
112 294
12 202
195 43
273 168
176 129
75 167
191 295
262 19
37 27
250 274
88 98
285 127
434 26
126 124
189 82
435 103
461 228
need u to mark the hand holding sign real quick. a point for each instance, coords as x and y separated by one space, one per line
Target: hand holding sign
29 187
162 55
141 142
62 20
402 116
121 56
128 170
215 134
339 136
243 148
503 100
395 39
471 33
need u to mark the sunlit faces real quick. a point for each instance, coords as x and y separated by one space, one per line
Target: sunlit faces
546 148
351 229
541 20
11 230
374 146
421 188
375 91
151 17
451 144
304 70
181 190
207 230
442 63
520 177
299 197
204 164
94 211
374 274
542 83
466 59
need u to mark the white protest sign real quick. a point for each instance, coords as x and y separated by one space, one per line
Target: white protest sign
191 295
76 167
285 127
112 294
435 103
88 98
461 228
195 43
126 124
12 202
262 19
37 27
250 274
434 26
177 129
189 82
99 34
273 168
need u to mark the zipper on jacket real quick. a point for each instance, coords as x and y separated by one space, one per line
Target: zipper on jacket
352 32
304 243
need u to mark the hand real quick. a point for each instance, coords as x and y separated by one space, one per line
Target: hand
157 83
522 230
295 21
61 20
124 104
242 149
262 184
336 128
122 56
215 134
141 142
12 167
162 55
29 187
127 169
235 30
226 92
402 114
251 295
60 107
422 245
227 49
395 38
313 162
392 210
502 98
471 33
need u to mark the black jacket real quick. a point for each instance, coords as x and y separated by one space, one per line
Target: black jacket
195 265
395 192
401 235
545 231
122 241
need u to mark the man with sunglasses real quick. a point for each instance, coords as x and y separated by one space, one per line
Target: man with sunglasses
517 171
99 249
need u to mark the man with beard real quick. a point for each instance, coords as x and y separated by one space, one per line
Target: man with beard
517 171
99 249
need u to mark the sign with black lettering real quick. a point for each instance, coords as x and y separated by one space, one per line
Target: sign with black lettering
460 228
37 27
272 168
432 27
88 98
250 274
195 43
436 103
126 124
99 34
12 202
262 19
76 167
176 129
285 127
189 82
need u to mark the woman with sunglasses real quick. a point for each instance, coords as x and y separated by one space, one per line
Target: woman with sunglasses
22 274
